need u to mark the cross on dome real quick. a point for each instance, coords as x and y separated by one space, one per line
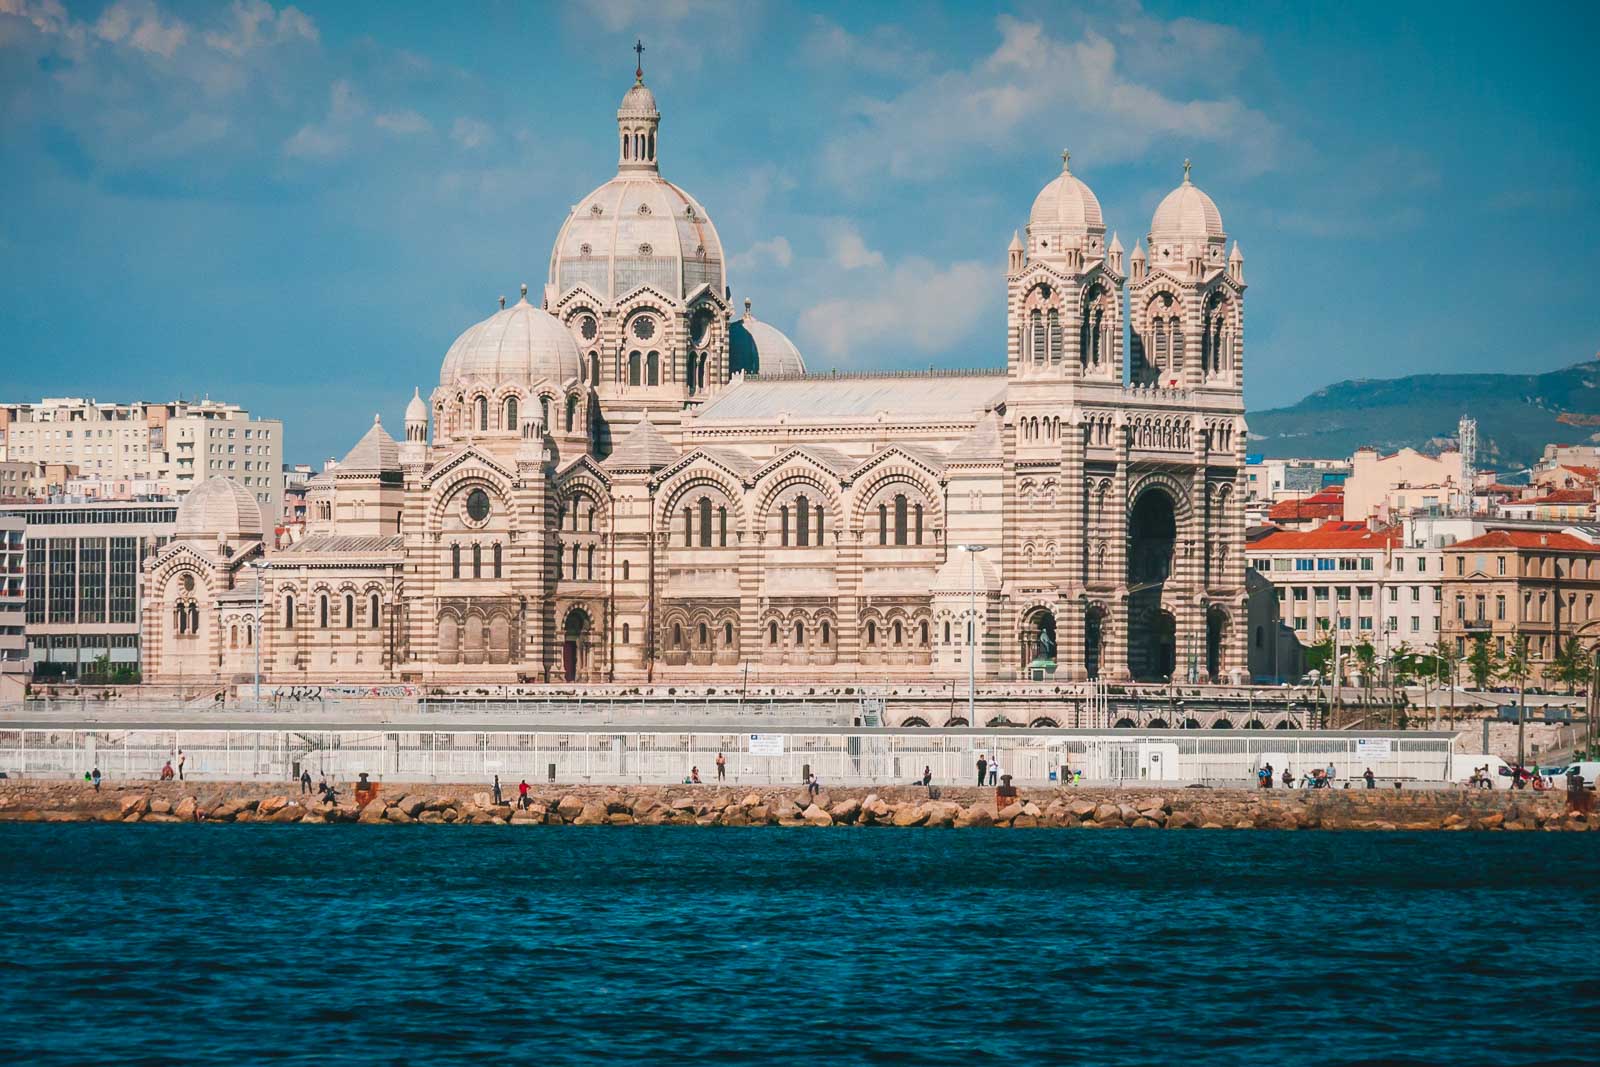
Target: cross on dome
638 67
1066 161
1186 166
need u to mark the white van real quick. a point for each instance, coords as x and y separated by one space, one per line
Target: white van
1463 764
1590 769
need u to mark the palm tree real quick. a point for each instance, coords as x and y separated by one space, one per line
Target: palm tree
1446 661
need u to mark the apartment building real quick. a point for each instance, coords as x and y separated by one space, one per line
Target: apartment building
82 564
171 446
14 668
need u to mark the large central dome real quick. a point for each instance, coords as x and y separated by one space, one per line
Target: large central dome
638 228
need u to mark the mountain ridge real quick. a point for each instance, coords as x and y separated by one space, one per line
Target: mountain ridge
1518 414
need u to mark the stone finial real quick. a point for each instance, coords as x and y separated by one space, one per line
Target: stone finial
1236 256
1016 242
376 418
524 290
1138 250
1186 166
1066 161
747 307
502 303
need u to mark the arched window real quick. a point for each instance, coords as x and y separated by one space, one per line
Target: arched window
799 633
883 524
233 636
783 523
722 527
624 570
727 635
594 368
455 560
588 518
194 618
574 562
922 632
588 563
1162 356
802 521
183 619
947 631
1177 345
288 613
705 522
827 632
249 635
677 635
626 633
652 369
626 145
633 368
1036 334
544 413
772 633
1053 322
322 610
899 633
650 146
510 413
572 413
497 559
918 527
705 635
872 632
372 611
477 560
349 611
899 518
820 541
688 527
483 413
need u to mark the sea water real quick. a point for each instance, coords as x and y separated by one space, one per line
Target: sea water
477 945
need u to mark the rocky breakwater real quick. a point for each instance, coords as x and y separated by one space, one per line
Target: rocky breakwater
407 804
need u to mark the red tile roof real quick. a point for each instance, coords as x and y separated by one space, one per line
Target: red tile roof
1562 496
1326 504
1561 542
1330 535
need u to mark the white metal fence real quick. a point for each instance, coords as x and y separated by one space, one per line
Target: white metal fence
837 756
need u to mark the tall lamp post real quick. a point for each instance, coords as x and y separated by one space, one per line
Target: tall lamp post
972 632
259 566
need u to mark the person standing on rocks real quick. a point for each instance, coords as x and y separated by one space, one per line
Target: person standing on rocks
1372 779
994 771
94 777
983 769
181 759
722 768
522 794
497 797
927 776
305 781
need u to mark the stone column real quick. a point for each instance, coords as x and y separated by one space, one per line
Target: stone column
1115 637
1074 545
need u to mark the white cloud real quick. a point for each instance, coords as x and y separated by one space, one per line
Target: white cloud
881 51
471 133
772 252
405 123
918 306
1031 92
139 24
315 142
849 249
257 24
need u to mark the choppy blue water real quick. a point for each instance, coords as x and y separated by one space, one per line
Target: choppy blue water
334 945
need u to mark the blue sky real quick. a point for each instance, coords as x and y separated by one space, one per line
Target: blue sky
299 208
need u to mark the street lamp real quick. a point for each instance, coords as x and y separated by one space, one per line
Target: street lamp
972 632
259 566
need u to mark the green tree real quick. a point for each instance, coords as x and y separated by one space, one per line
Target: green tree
1319 657
1571 665
1481 662
1517 667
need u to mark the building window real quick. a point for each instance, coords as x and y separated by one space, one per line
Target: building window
624 570
727 634
349 611
827 632
477 560
872 632
626 633
633 368
372 611
799 634
322 610
802 522
483 414
288 613
705 522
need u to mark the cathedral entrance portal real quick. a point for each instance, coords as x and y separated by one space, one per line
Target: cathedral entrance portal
1216 628
575 646
1152 535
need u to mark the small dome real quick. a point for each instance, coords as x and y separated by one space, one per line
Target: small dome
638 98
1187 214
417 410
218 506
757 348
520 344
376 451
1066 205
960 573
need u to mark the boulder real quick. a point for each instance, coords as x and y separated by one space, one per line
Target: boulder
685 804
909 815
288 813
161 806
503 812
1007 813
815 816
1489 822
439 803
620 818
396 815
1142 823
483 800
1181 820
735 817
272 805
569 808
977 815
750 800
1029 808
846 811
526 818
1106 813
617 804
228 810
134 805
1127 812
940 813
759 815
1082 809
431 816
593 814
186 808
412 804
372 814
1024 821
784 808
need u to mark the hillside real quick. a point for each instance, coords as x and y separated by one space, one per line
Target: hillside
1518 414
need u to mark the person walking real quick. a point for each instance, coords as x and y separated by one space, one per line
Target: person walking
181 759
522 794
983 769
95 778
722 768
1372 779
305 781
498 799
927 776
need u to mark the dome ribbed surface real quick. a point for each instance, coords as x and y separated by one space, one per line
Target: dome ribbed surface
1186 213
521 344
218 506
754 347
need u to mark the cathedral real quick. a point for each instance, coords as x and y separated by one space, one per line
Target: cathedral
624 478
